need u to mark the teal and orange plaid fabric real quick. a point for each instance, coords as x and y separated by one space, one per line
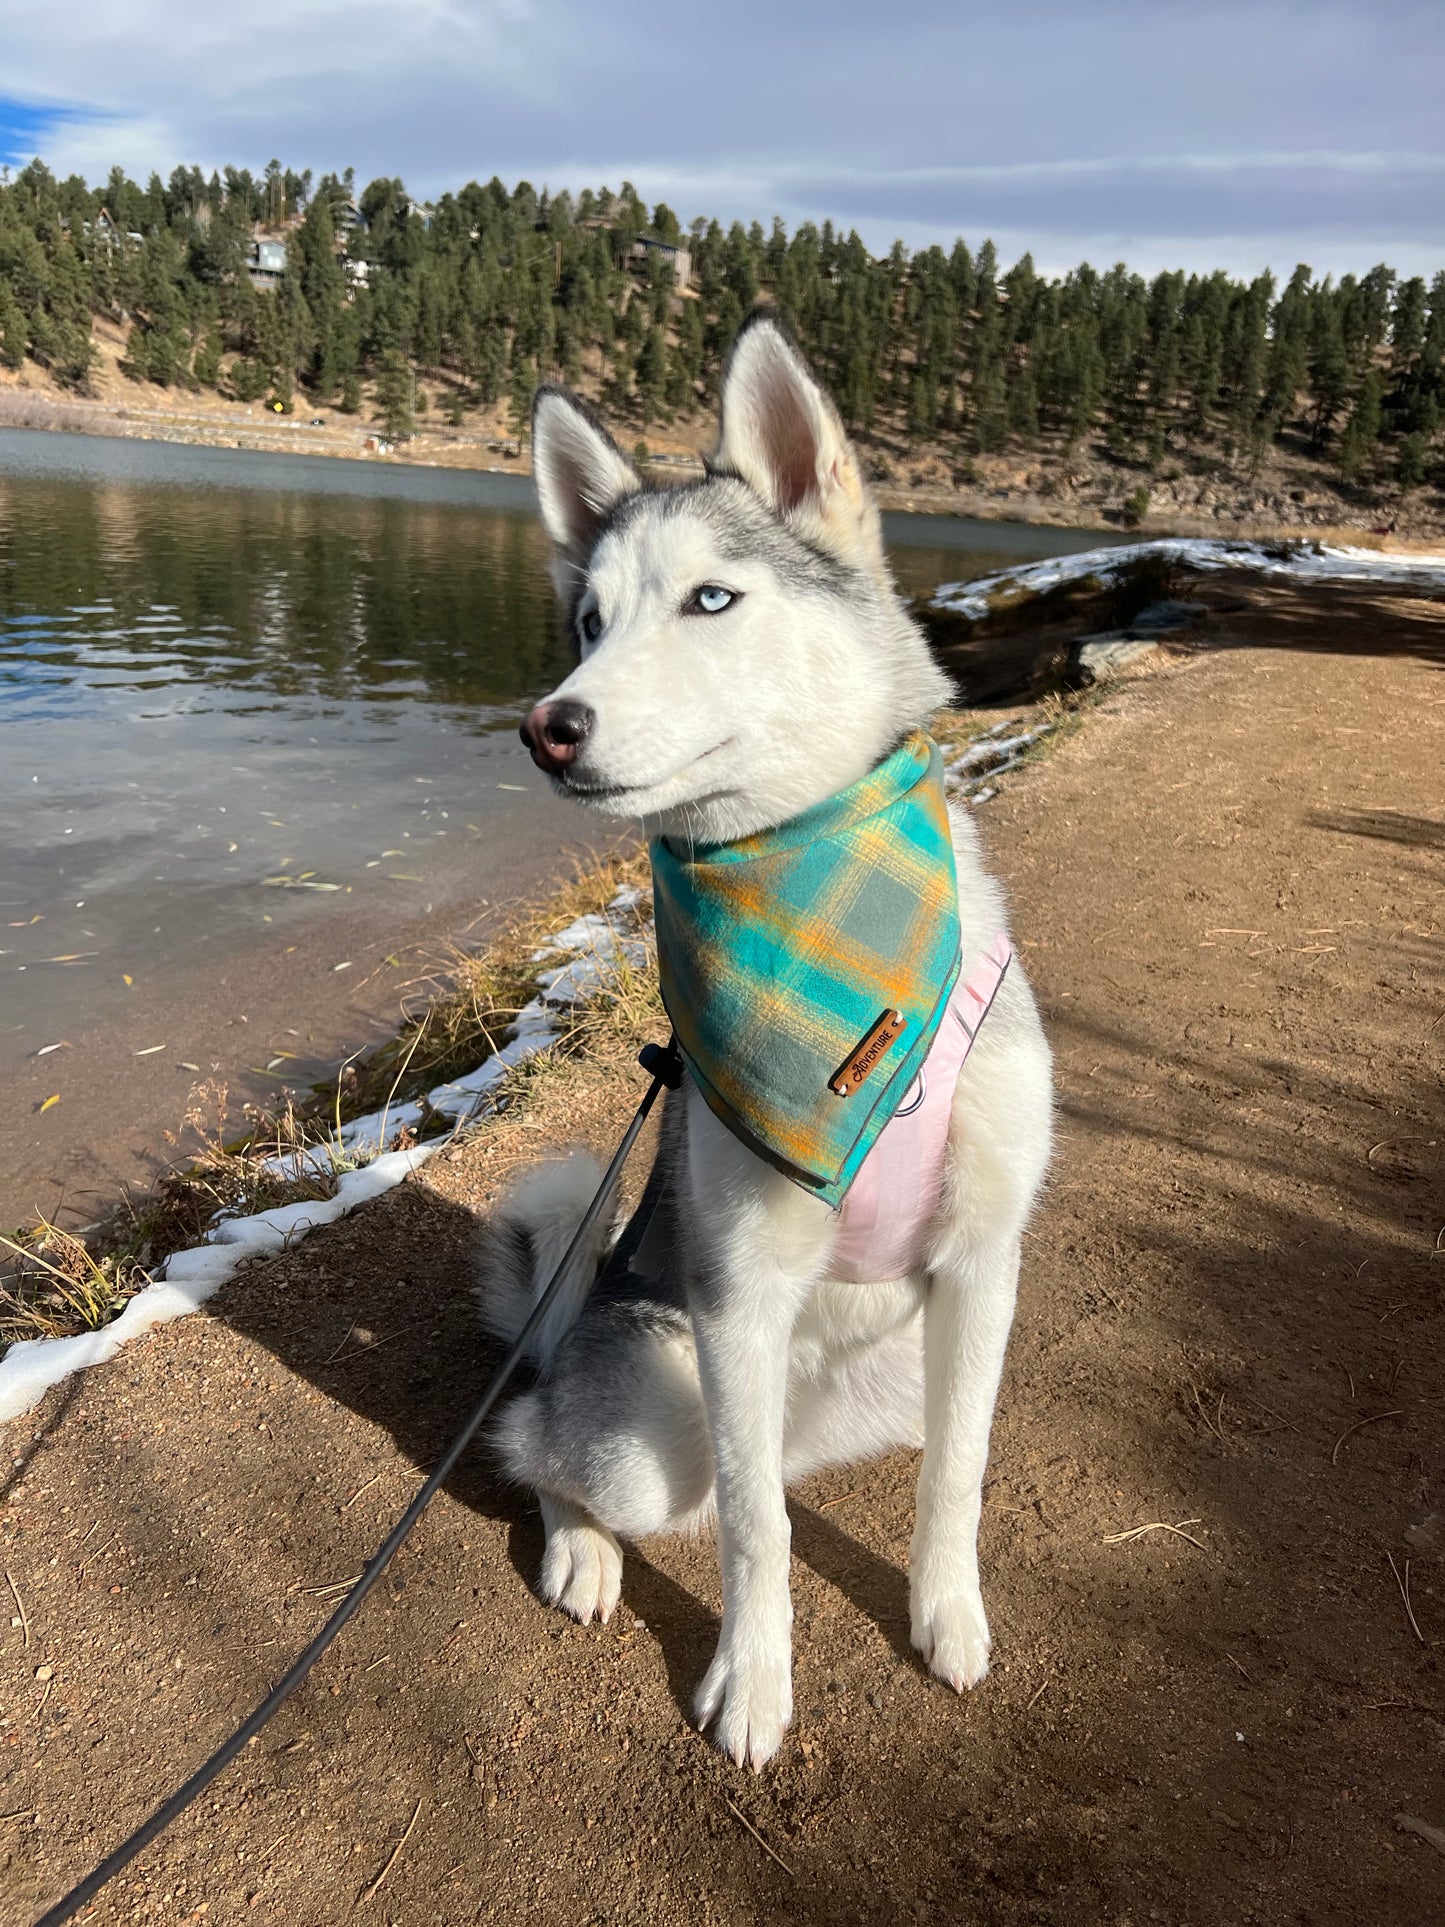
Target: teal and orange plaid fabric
779 953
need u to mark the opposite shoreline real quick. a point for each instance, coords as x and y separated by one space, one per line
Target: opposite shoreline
1004 494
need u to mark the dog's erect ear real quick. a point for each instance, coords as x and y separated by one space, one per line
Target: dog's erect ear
781 433
580 472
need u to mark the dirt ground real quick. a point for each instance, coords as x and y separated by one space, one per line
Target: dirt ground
1226 885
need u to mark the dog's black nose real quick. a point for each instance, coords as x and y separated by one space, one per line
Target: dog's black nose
554 732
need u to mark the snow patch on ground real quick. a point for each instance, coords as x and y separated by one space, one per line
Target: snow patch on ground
971 773
596 948
1314 561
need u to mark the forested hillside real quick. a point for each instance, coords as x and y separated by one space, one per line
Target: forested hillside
494 289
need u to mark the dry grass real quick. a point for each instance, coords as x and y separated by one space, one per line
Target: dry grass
58 1282
56 1287
464 1001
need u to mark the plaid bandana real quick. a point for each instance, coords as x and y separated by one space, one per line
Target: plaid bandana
813 960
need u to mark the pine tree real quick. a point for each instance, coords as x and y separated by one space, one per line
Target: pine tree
391 396
1329 367
1357 444
207 361
651 373
1285 371
522 391
14 335
1410 463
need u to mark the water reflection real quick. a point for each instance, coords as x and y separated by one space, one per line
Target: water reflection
244 600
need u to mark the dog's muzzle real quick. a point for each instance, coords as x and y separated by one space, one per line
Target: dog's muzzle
555 733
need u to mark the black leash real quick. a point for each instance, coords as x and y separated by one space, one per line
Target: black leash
665 1067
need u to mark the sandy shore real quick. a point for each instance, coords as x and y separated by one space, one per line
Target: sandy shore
1230 1325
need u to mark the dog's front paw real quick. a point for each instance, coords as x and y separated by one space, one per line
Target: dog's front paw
582 1571
951 1632
751 1701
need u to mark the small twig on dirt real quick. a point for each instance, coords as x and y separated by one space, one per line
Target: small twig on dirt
19 1607
360 1489
842 1499
376 1662
99 1553
362 1351
738 1812
1235 1664
1432 1836
1038 1696
1210 1425
320 1592
1155 1525
1373 1419
375 1887
340 1348
20 1813
1269 1409
1404 1585
1388 1144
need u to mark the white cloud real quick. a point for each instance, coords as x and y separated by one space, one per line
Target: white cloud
91 148
174 50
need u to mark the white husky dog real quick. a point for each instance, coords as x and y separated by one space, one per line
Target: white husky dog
744 655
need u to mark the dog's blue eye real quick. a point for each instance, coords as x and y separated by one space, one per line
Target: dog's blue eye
591 625
710 600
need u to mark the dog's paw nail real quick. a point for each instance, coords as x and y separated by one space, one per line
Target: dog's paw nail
582 1573
951 1637
752 1706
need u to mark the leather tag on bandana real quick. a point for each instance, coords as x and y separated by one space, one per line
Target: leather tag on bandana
869 1054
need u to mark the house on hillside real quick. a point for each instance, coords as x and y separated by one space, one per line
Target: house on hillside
266 262
677 254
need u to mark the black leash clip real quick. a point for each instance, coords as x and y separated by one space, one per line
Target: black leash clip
662 1061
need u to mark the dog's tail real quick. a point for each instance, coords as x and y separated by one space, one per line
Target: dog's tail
530 1229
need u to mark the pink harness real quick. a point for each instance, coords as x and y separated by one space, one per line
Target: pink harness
883 1220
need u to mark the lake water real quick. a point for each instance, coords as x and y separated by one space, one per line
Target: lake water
242 692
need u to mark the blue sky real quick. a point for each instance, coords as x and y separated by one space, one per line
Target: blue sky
1208 134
